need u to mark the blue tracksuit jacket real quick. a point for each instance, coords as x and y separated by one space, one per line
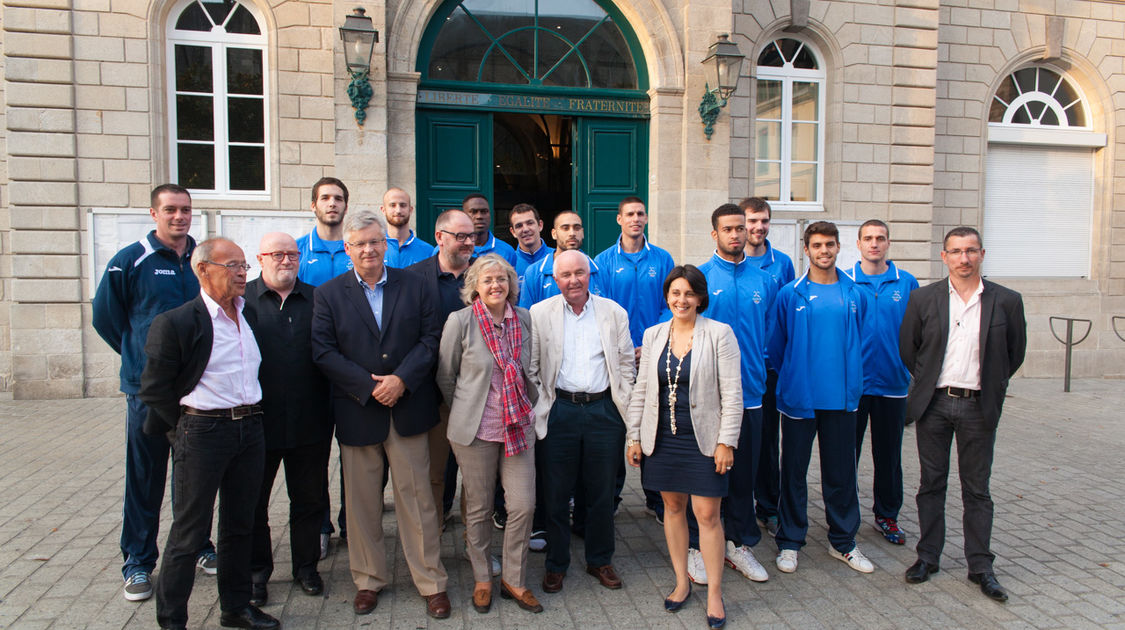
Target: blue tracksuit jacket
638 286
887 294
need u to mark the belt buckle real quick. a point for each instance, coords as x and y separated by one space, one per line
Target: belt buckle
236 416
582 397
961 392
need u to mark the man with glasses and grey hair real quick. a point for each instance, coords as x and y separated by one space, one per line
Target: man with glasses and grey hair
200 383
375 335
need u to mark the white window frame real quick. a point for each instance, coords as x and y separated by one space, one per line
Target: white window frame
788 75
218 41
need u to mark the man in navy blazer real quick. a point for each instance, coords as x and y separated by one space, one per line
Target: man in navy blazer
375 335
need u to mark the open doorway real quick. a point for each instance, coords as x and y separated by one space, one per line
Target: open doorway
532 163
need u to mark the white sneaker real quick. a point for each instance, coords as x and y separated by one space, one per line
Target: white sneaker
695 569
741 559
854 558
787 561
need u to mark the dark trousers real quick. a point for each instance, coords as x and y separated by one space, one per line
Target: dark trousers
306 472
739 523
834 431
146 470
212 456
888 417
341 516
946 418
589 437
767 490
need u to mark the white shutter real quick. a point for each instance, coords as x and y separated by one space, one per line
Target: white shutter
1038 208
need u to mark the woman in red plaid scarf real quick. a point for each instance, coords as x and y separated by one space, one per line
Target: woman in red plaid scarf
482 372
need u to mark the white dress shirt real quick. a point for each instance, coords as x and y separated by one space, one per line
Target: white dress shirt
961 366
583 367
231 376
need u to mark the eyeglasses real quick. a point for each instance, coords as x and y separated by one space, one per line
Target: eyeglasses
231 266
460 237
280 256
971 252
373 243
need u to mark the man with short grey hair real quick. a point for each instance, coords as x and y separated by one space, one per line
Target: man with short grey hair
375 336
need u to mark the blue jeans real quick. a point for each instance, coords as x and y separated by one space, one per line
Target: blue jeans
146 470
888 417
589 437
213 457
834 431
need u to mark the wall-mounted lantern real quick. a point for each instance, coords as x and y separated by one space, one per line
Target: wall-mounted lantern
724 65
360 37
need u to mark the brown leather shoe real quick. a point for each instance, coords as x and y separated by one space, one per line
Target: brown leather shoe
526 601
482 600
606 575
438 606
552 582
365 602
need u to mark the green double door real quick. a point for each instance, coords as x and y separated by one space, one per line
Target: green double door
582 163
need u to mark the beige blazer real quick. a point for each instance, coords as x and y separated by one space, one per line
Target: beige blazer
715 388
464 372
547 327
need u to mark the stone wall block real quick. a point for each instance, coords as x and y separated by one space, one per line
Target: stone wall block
104 194
914 58
118 24
29 367
39 218
47 267
36 20
38 70
45 45
299 37
38 194
912 97
45 291
39 95
97 97
126 74
64 366
99 48
41 144
44 242
41 169
128 171
911 193
914 116
908 174
113 147
916 18
28 316
125 123
912 155
40 390
915 77
38 119
916 37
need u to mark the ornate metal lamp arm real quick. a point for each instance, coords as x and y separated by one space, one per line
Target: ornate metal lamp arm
360 92
709 110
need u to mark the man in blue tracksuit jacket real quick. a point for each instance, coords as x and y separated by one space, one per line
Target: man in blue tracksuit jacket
527 228
539 279
633 272
742 297
779 266
322 250
885 379
817 347
404 248
141 281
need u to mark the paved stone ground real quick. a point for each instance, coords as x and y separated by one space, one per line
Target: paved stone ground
1058 482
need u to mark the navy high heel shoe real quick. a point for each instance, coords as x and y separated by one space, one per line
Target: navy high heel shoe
718 622
672 605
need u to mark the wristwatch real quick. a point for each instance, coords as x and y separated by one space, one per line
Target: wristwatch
629 443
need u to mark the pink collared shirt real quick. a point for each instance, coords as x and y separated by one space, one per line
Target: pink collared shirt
961 366
231 376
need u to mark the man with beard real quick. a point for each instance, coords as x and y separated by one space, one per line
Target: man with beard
539 280
403 247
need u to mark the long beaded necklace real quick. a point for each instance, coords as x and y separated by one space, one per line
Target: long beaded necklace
673 382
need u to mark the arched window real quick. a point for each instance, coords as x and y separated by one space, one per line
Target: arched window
216 99
789 125
1039 177
560 43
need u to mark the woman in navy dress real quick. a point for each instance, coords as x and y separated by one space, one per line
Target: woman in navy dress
685 414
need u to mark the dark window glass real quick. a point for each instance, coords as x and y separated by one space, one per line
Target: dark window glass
219 10
1049 118
247 168
805 59
243 22
498 67
770 57
1020 117
609 58
195 118
244 71
193 68
1026 79
193 19
559 58
245 120
1036 108
996 111
788 48
196 166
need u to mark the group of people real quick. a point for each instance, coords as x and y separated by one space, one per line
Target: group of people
532 371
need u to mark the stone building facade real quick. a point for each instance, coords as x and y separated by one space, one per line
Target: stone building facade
906 127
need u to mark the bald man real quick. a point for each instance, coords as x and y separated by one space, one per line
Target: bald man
403 247
296 419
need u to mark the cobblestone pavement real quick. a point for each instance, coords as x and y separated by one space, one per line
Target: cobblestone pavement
1058 483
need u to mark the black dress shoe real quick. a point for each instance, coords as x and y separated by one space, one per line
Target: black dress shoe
249 617
258 594
920 571
311 583
989 585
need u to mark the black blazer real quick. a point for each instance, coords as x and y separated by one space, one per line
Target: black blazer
349 347
177 350
925 333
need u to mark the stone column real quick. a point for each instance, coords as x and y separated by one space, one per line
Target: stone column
43 248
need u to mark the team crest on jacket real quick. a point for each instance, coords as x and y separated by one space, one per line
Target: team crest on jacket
652 272
854 307
757 297
896 296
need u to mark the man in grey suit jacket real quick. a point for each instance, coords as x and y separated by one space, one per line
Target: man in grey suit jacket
582 361
962 338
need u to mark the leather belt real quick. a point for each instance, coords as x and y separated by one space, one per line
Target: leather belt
234 413
580 398
959 392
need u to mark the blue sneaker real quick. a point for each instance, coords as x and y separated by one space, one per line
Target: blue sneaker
138 587
890 530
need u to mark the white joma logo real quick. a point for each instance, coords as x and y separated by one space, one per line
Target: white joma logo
813 297
800 308
717 292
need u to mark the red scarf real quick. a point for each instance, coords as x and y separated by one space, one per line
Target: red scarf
514 402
